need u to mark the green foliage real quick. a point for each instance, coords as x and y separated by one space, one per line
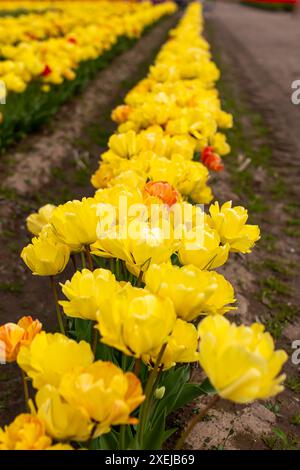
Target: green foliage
279 440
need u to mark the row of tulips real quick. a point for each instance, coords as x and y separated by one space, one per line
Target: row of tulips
130 328
46 57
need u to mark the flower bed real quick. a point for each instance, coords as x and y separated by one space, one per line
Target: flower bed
42 66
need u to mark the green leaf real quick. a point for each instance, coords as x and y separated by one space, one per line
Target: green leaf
173 381
155 435
188 393
207 387
108 441
83 330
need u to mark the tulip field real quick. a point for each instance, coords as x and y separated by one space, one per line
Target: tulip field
135 332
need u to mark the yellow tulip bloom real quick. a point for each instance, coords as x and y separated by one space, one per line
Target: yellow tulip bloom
181 347
192 291
230 223
62 420
139 247
240 361
205 251
125 145
75 223
49 356
46 255
35 222
87 291
105 393
26 432
136 322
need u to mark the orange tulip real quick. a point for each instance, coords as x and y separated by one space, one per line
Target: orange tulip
211 159
121 113
161 190
31 329
15 335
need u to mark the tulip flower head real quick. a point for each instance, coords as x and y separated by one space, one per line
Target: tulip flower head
37 221
105 393
240 361
87 293
49 356
26 432
46 255
139 247
160 191
205 252
14 335
211 159
75 223
193 292
136 322
230 223
182 346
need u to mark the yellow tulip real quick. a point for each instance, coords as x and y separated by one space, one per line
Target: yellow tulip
45 255
62 420
219 144
26 432
132 178
141 246
192 291
203 251
181 347
240 361
105 393
136 322
49 356
35 222
125 145
75 223
230 223
87 292
60 447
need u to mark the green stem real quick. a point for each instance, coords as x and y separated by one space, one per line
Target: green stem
95 341
137 367
139 279
125 272
26 391
196 419
118 269
122 445
83 262
124 362
144 411
112 265
73 258
57 307
89 258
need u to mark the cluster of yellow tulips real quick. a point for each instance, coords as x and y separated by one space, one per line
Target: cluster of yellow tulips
50 46
48 55
144 260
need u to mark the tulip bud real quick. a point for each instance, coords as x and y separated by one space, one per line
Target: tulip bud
159 393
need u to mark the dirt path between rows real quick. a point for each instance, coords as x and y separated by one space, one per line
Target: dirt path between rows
258 57
55 165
